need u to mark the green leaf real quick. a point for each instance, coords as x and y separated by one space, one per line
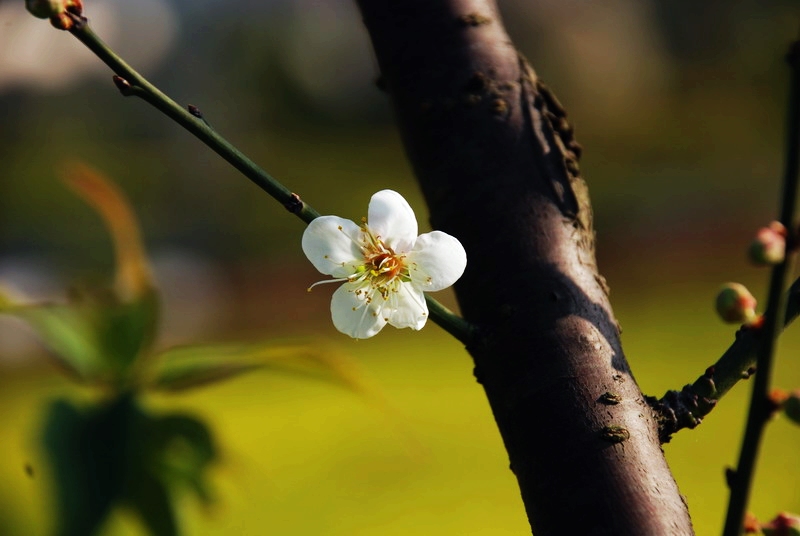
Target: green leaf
127 330
101 333
86 450
187 367
183 448
192 376
150 498
94 336
114 452
68 332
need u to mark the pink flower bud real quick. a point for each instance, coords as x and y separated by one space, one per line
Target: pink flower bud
735 304
784 524
769 245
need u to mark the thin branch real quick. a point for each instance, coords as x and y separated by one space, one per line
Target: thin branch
450 322
760 405
131 83
688 407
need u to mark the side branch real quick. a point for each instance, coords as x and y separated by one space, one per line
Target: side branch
687 408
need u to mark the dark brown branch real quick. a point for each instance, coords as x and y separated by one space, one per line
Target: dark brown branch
498 164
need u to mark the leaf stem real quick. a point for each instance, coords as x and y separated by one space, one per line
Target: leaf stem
760 405
131 83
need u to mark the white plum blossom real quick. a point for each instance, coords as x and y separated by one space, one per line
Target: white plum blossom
384 266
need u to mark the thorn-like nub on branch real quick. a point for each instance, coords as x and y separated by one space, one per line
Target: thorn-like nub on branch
123 86
295 204
730 476
195 111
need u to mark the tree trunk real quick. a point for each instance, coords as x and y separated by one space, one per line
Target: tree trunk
497 162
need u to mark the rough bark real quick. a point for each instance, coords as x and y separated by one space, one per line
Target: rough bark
497 162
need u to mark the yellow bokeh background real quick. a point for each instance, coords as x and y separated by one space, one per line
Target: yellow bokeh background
681 118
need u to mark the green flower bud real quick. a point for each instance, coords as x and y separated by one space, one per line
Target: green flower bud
44 9
62 13
735 304
769 245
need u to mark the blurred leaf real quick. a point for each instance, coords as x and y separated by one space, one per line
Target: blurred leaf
127 330
133 277
186 367
166 452
127 326
114 452
150 498
92 337
191 376
68 331
183 448
86 450
99 334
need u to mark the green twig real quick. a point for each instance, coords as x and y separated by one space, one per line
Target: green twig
760 405
131 83
450 322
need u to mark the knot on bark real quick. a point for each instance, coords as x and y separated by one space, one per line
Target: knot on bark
679 409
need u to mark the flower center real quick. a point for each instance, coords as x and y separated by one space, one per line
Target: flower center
386 264
382 266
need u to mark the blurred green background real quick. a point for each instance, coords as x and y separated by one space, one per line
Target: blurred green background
679 107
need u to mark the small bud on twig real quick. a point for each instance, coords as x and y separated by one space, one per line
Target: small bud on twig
295 204
195 111
62 13
748 373
123 86
751 524
777 398
735 304
769 245
44 9
784 524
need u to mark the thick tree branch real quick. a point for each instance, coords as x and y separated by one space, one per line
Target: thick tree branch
497 162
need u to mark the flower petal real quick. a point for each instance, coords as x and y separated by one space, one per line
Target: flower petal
437 261
331 244
406 308
391 218
353 312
